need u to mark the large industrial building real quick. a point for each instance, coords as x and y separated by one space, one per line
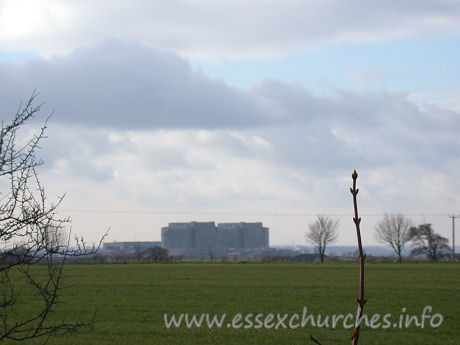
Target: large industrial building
205 239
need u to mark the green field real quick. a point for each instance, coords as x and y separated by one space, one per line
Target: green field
131 301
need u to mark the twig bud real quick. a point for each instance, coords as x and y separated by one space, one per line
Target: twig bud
354 175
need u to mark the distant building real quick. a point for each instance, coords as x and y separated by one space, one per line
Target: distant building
242 235
205 239
194 239
129 246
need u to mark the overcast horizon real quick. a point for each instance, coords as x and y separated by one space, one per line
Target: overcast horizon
236 111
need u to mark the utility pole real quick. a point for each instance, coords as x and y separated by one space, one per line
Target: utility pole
453 235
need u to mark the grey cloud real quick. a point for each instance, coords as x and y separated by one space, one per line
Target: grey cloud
313 148
126 85
349 129
64 141
87 168
290 102
123 85
75 151
168 159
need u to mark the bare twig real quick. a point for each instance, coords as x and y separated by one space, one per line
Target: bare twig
361 300
361 256
313 339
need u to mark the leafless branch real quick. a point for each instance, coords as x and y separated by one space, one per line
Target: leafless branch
361 256
33 246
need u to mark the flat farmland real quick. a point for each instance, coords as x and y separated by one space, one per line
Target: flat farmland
131 300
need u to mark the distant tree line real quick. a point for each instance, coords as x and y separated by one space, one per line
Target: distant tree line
397 231
394 230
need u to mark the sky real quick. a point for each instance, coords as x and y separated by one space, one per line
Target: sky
229 111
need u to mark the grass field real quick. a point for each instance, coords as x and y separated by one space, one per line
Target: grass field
131 301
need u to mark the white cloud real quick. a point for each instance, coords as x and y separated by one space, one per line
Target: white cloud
23 19
218 29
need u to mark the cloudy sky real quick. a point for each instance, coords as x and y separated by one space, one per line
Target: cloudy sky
240 110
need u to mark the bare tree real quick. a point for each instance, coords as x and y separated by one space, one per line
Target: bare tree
427 242
393 230
322 232
156 254
31 235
